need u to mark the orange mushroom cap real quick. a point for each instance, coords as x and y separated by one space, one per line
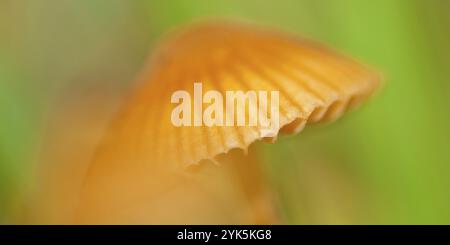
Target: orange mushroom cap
143 149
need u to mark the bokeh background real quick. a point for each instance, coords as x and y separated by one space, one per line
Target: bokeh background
387 162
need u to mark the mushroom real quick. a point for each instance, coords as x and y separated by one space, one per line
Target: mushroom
147 170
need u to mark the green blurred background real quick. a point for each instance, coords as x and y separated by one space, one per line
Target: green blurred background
388 162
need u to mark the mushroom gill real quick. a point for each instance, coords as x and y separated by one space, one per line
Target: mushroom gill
143 156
